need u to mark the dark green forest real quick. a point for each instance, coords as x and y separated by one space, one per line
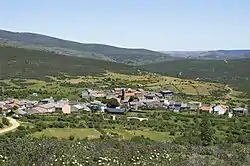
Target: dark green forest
25 63
234 72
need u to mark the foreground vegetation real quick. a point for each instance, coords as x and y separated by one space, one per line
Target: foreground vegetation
139 151
92 139
181 128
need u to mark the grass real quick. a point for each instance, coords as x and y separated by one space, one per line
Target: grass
148 82
61 133
154 135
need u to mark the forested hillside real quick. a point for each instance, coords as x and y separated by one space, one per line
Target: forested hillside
233 72
65 47
19 62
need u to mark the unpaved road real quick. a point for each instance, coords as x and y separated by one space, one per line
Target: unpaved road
14 125
230 92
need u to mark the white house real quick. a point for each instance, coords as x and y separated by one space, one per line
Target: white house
220 109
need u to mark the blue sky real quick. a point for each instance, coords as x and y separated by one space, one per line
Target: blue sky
154 24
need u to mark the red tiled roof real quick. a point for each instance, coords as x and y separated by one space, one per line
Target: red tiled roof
205 108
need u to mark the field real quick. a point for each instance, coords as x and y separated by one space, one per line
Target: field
70 87
153 135
90 133
162 126
67 132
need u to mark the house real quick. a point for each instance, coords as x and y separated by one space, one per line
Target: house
165 102
20 112
97 106
9 101
62 107
151 96
177 109
116 110
183 105
171 104
7 107
153 104
26 104
92 94
49 108
220 109
64 100
159 95
206 108
193 105
77 107
177 106
37 110
47 100
166 93
135 105
125 94
240 111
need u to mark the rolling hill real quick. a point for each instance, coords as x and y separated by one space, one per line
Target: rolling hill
25 63
235 73
211 55
226 54
94 51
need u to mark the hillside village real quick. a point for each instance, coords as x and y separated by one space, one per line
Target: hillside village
117 101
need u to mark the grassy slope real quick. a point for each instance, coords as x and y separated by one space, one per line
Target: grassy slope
18 62
112 80
235 72
66 132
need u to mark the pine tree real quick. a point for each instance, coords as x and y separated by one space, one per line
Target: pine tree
206 132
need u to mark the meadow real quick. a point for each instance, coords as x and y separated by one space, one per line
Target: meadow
70 87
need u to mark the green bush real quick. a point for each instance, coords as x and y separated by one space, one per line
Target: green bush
5 121
71 137
21 128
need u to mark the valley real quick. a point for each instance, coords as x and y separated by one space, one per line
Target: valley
67 103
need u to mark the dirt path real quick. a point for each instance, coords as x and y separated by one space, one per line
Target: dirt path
14 125
231 91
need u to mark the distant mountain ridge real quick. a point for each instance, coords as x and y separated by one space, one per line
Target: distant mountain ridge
211 55
95 51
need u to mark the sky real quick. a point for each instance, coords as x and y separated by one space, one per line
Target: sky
163 25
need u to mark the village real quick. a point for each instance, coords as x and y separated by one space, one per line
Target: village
117 101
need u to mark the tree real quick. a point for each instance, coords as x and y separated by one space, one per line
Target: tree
206 132
71 137
131 99
5 121
15 108
21 128
113 103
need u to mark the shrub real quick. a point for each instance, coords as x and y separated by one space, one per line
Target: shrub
71 137
21 128
5 121
172 133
